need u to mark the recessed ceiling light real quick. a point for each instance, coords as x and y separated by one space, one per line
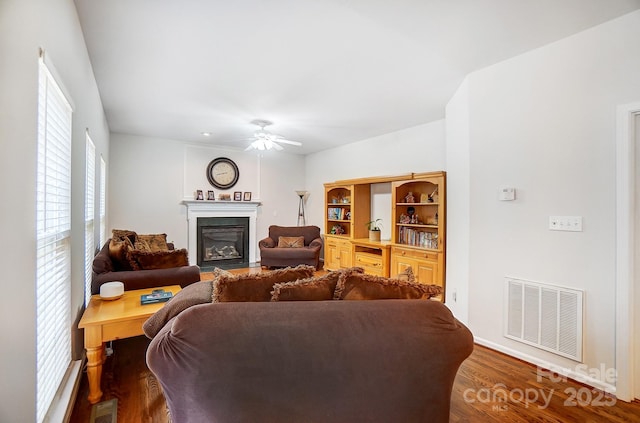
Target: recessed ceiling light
205 134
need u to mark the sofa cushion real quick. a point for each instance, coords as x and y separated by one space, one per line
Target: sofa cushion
119 234
148 260
152 242
317 288
142 246
257 286
118 251
217 273
406 275
290 241
308 232
357 286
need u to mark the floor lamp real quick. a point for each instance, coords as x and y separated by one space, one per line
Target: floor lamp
301 217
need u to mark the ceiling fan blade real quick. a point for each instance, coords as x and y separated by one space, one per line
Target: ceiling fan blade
277 146
282 140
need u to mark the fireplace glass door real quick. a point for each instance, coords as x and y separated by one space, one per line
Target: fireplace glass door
223 242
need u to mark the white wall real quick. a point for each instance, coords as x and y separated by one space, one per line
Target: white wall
417 149
458 180
25 26
544 123
149 177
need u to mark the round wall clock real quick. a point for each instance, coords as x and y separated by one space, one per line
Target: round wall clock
222 173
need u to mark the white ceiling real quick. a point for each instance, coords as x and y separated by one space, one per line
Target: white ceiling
326 72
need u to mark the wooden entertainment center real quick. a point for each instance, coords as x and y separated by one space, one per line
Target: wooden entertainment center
418 226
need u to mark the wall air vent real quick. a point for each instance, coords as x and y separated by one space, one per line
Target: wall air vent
545 316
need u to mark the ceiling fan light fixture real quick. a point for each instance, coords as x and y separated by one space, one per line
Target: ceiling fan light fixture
265 140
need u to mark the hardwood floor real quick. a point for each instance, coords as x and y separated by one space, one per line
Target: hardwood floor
494 387
475 398
489 387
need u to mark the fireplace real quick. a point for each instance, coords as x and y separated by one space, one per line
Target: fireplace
223 242
237 219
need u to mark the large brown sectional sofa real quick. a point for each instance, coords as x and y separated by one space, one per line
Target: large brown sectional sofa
223 354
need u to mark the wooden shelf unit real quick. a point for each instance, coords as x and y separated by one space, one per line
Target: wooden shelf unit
347 206
372 256
347 210
338 252
419 243
425 227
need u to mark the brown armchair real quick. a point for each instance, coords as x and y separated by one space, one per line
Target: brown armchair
273 256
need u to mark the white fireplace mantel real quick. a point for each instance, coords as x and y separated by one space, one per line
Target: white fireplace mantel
208 208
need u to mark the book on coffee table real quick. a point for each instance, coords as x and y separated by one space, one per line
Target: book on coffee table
157 296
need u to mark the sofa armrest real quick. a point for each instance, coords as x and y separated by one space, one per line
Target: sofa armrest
267 243
316 244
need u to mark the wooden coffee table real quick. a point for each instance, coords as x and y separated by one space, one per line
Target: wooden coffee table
105 321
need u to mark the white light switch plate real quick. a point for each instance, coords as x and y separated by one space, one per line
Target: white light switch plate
565 223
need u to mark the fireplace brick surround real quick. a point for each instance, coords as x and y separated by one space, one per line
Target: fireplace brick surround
203 209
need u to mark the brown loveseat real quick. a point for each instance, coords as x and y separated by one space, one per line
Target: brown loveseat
105 270
384 360
275 251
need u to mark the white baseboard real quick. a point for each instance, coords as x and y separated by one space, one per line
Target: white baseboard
569 373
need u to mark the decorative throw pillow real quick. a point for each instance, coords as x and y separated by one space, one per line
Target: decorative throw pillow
141 245
406 275
193 294
290 241
355 286
311 289
256 286
146 260
217 273
119 234
119 249
154 242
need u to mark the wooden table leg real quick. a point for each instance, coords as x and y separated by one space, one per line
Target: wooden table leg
95 358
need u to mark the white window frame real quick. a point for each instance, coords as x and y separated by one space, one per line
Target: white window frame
53 240
89 214
103 202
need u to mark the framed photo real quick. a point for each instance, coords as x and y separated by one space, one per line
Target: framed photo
237 196
199 195
247 196
210 195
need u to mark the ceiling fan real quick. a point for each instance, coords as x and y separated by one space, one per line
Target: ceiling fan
265 140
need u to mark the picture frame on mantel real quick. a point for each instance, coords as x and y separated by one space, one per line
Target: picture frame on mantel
211 195
237 196
247 196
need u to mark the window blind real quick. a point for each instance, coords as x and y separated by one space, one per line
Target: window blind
103 202
53 228
89 215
